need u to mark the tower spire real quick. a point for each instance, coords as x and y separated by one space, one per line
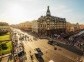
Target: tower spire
48 12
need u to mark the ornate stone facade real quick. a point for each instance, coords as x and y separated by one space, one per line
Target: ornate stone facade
49 25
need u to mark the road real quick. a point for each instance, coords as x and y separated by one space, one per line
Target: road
59 55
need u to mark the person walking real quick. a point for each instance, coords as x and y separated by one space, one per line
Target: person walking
31 57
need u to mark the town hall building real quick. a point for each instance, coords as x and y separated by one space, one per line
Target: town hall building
49 25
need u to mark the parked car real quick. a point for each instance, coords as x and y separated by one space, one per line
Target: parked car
55 43
50 42
38 55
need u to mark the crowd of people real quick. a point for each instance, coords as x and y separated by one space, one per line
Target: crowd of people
18 48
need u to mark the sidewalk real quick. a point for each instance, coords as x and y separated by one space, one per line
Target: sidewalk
82 58
5 59
5 55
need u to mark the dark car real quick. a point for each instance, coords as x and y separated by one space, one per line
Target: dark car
55 43
21 53
50 42
39 51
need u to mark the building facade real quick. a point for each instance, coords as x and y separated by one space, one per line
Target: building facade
69 27
72 27
77 27
26 26
49 25
82 26
35 26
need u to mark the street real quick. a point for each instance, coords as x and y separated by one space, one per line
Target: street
41 31
59 55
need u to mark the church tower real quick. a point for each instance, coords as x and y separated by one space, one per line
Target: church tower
48 12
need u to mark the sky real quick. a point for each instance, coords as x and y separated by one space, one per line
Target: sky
17 11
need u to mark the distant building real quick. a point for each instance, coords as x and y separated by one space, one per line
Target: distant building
49 25
82 26
35 26
26 26
72 27
4 27
69 27
77 27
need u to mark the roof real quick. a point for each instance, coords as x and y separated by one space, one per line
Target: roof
52 18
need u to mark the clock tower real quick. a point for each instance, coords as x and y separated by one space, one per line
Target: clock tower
48 12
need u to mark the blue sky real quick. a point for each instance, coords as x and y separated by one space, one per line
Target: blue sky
17 11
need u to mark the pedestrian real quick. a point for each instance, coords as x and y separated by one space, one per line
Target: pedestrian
31 57
55 48
10 57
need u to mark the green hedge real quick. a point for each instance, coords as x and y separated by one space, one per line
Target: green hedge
7 49
5 37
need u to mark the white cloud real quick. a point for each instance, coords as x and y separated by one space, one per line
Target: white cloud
16 11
